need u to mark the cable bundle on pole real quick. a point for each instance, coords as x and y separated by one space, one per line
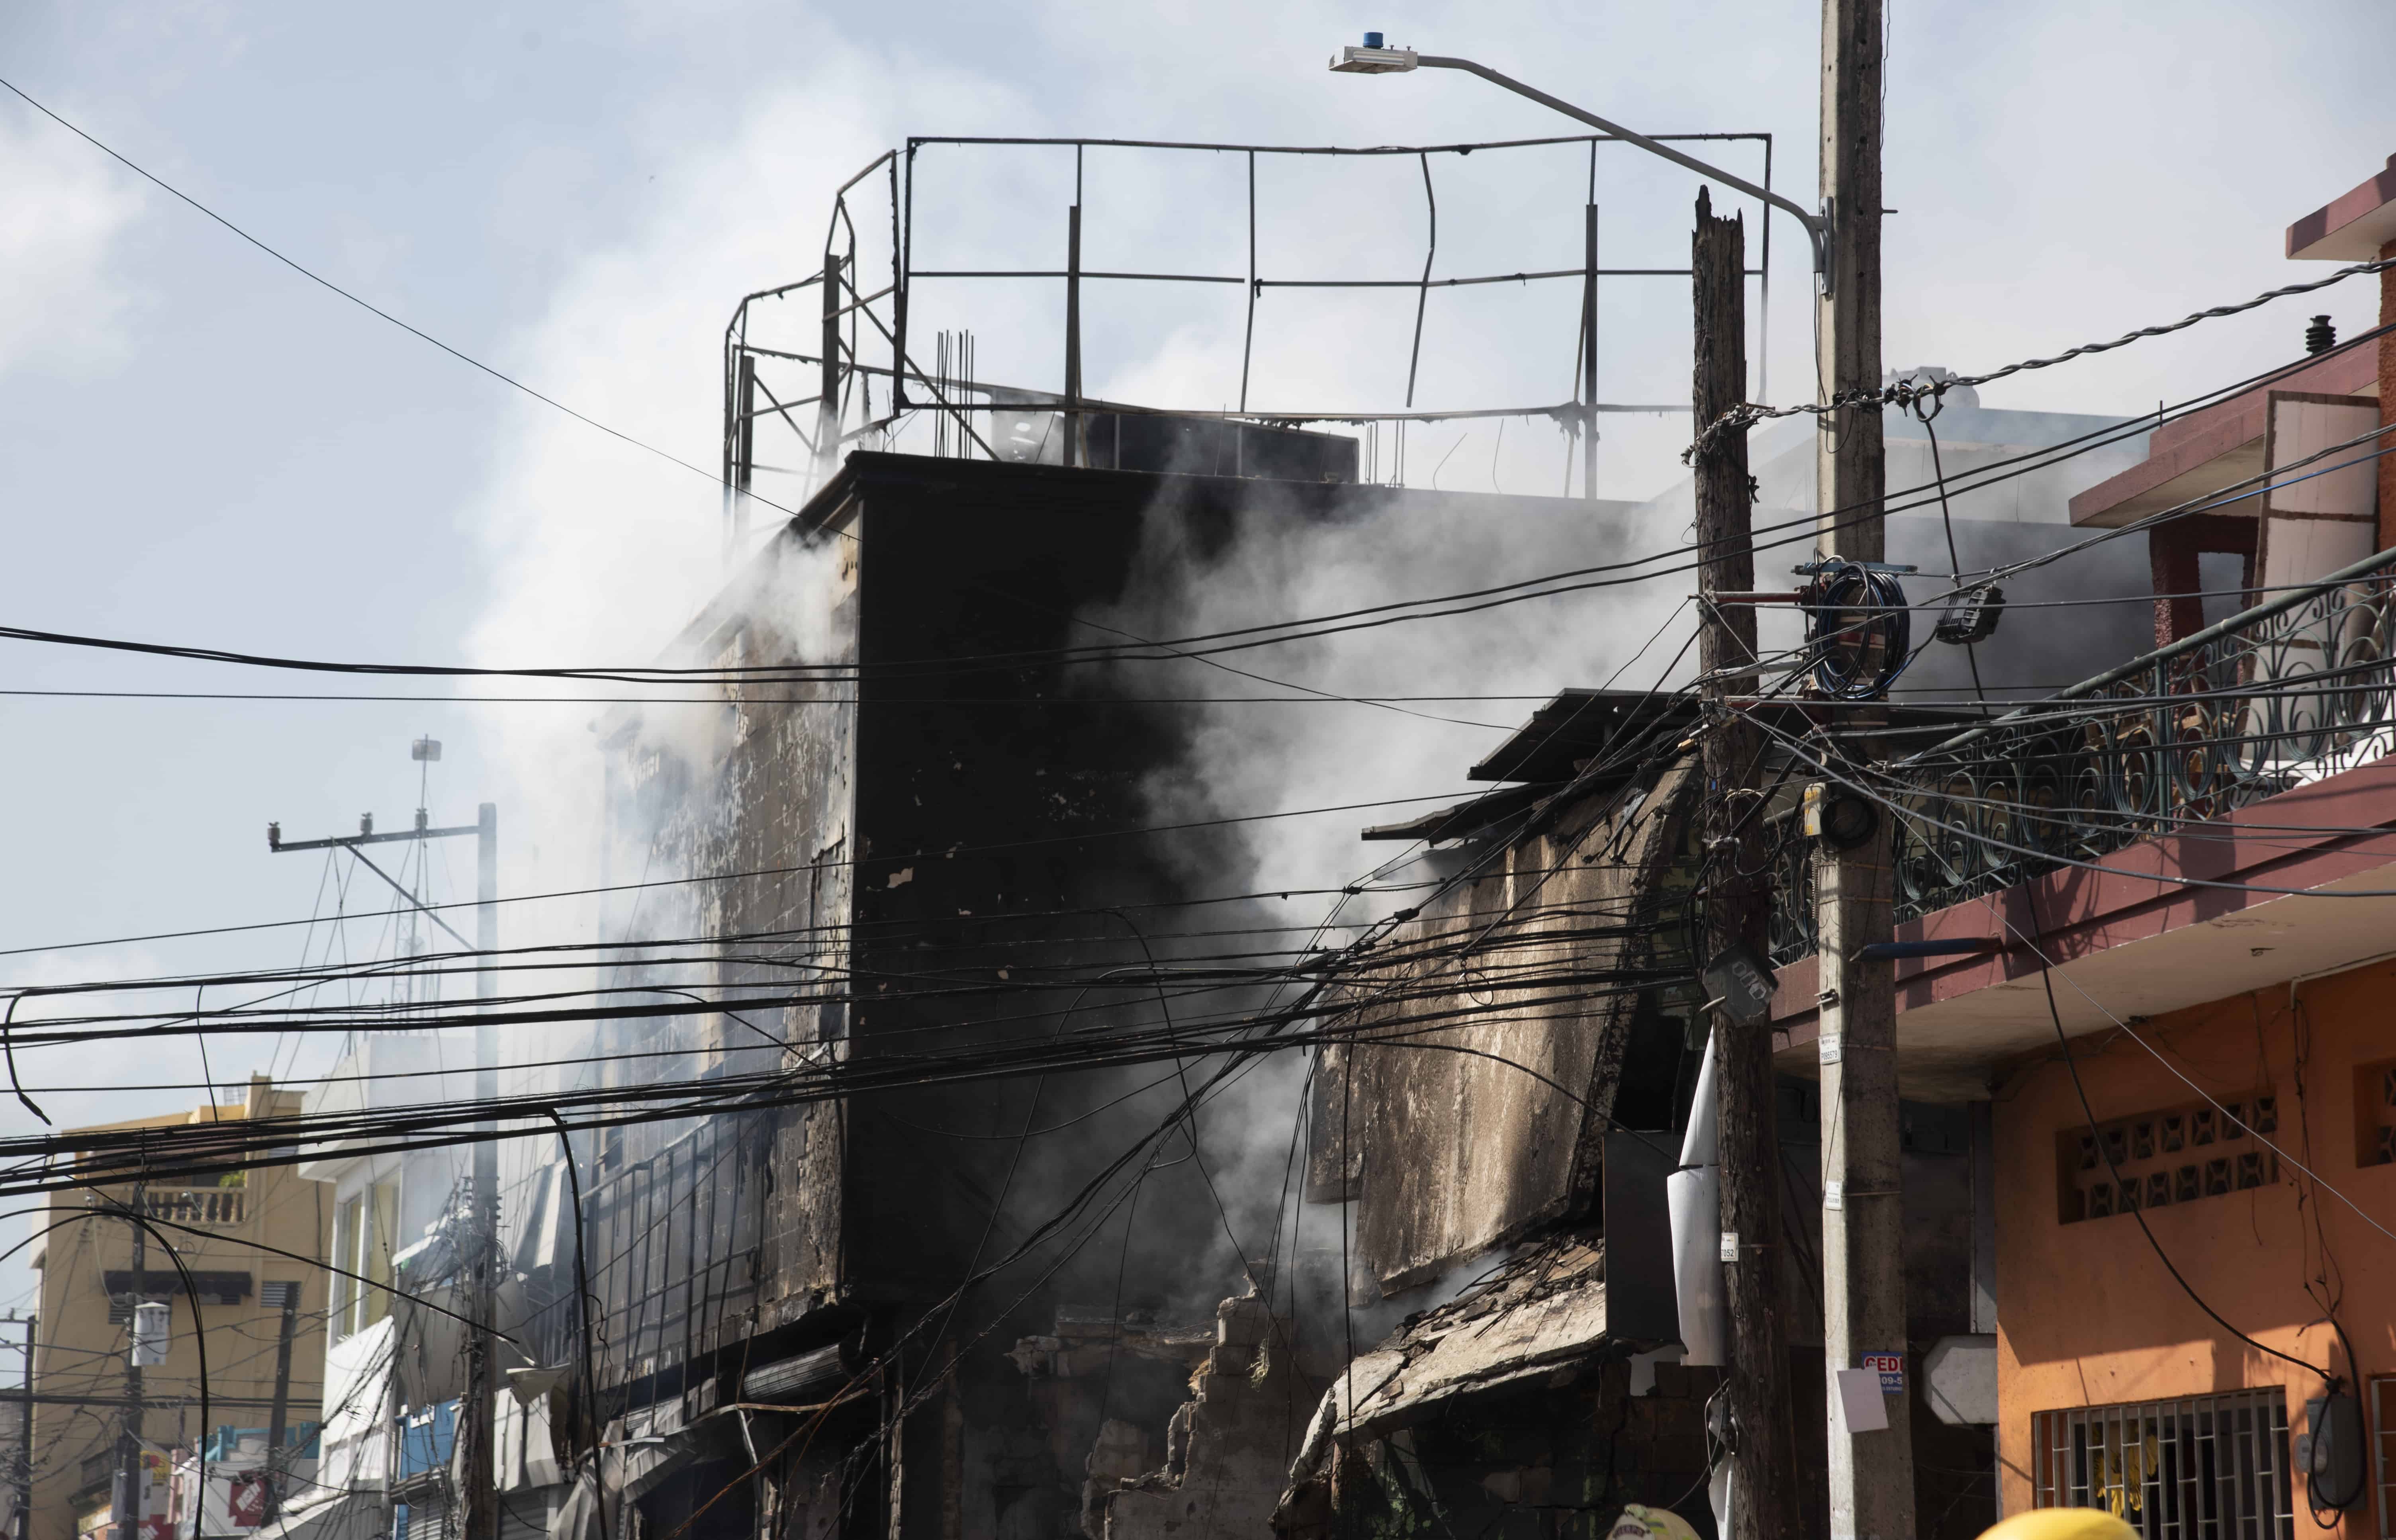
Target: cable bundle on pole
1858 629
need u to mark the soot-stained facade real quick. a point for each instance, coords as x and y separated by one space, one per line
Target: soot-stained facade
923 825
1500 1122
1519 1079
936 845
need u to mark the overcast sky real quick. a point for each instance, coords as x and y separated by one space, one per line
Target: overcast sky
202 446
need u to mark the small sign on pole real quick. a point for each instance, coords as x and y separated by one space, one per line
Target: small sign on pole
150 1333
1742 983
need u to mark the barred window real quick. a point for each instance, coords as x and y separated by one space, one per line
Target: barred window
2375 1113
2383 1450
2201 1468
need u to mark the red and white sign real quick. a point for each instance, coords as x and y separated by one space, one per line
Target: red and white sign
1891 1369
246 1504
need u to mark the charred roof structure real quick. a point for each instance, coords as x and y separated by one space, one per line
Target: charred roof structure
1516 1087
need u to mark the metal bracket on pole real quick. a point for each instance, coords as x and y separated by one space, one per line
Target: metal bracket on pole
1819 231
1399 61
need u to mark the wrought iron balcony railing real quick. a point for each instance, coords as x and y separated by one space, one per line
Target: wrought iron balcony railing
199 1205
2284 694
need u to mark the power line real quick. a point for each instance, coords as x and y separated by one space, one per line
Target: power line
220 1146
792 870
1905 391
420 335
718 702
1546 586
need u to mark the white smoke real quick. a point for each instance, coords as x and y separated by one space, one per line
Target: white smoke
65 308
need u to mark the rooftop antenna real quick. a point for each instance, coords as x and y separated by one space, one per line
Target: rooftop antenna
425 751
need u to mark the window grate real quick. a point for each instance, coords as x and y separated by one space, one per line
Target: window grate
2201 1467
2383 1450
2375 1107
2176 1155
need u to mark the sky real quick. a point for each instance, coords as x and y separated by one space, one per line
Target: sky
198 445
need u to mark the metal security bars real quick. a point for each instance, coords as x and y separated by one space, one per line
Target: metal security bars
2206 1467
672 1245
2383 1450
2184 736
820 396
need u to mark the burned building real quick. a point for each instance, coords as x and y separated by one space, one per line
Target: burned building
926 838
917 837
1514 1086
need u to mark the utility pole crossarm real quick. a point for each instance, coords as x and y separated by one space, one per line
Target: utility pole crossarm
275 843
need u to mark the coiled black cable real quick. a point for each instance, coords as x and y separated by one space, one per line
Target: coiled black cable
1860 628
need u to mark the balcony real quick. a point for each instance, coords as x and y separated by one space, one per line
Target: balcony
2198 808
428 1438
2177 740
222 1207
226 1207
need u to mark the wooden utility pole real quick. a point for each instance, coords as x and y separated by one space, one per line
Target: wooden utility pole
1739 900
284 1297
1863 1273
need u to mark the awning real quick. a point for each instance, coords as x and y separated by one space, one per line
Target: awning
1545 1308
214 1288
580 1516
344 1516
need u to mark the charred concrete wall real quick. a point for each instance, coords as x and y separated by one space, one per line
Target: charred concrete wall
1554 975
1516 996
1228 1447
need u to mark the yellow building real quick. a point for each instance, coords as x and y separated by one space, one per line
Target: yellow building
85 1257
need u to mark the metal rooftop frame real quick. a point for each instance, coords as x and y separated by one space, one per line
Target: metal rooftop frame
842 403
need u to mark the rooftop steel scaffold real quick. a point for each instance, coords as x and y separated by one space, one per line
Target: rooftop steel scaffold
840 408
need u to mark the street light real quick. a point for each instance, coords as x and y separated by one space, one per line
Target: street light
1374 59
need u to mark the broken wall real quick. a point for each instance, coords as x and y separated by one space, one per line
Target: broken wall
1512 1003
1227 1448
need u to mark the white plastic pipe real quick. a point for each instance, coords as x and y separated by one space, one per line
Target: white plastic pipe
152 1326
1694 1195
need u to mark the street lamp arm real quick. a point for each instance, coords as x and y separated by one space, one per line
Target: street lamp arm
1814 225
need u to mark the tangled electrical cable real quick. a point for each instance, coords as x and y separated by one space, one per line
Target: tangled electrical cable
1858 627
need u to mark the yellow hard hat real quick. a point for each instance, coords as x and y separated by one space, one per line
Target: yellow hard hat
1650 1523
2061 1523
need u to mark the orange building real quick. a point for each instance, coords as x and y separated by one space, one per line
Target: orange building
2216 1113
2180 1020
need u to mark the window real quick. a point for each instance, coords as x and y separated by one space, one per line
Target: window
345 1247
364 1237
2202 1468
2382 1406
2375 1113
